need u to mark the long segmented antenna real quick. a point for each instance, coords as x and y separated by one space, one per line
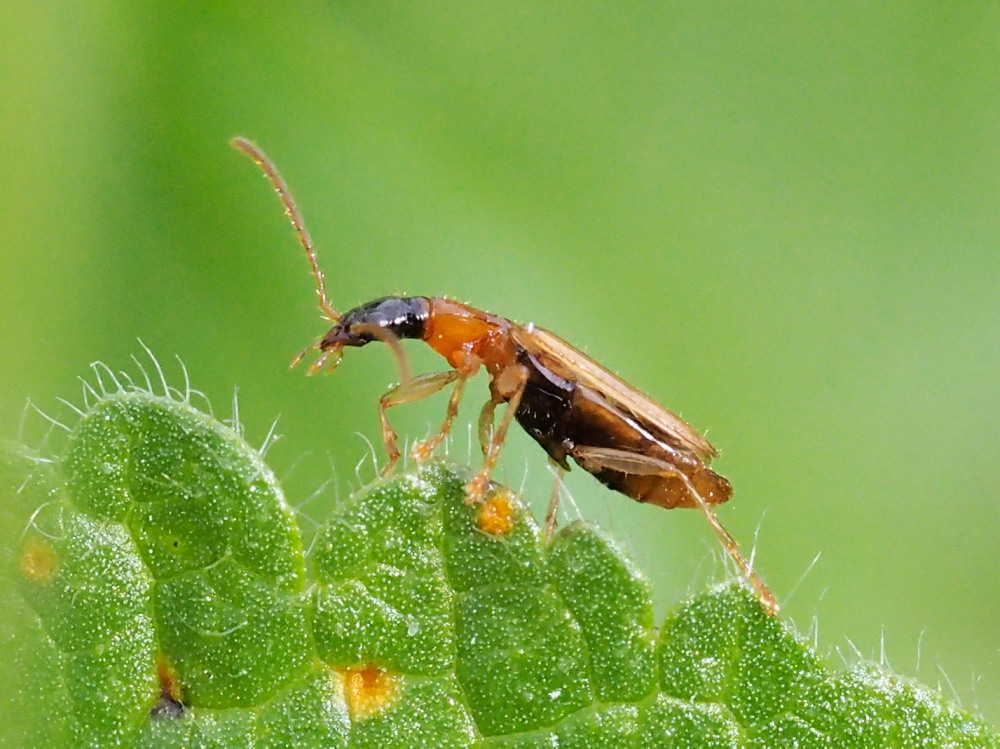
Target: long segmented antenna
292 211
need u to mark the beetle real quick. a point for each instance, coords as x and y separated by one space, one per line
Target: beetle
567 402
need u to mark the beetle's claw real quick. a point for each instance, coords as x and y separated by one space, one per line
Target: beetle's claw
475 490
389 466
423 450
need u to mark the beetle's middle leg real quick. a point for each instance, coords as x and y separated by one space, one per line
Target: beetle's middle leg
645 465
414 389
486 424
507 385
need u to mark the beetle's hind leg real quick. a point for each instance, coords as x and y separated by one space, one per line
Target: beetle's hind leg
552 514
635 463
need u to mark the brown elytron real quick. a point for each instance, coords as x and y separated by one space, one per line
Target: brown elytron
571 405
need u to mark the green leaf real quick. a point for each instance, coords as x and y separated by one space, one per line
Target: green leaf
170 603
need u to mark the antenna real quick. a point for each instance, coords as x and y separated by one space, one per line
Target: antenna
292 211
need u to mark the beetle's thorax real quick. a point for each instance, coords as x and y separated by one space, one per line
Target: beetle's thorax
467 336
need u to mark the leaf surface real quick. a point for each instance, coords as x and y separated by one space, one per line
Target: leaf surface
170 603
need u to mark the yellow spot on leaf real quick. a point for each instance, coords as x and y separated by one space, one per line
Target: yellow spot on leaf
38 561
368 690
497 514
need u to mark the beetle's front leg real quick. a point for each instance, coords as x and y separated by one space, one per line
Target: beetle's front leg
425 448
414 389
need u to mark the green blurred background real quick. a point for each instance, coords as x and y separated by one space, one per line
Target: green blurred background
782 221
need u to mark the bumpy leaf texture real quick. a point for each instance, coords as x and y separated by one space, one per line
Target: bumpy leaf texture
170 603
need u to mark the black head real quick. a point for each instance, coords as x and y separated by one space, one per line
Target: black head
389 317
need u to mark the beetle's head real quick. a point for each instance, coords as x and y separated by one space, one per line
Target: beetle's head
387 320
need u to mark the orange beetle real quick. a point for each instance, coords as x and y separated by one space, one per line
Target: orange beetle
571 405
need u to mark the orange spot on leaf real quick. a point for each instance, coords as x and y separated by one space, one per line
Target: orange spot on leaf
497 514
368 690
170 680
